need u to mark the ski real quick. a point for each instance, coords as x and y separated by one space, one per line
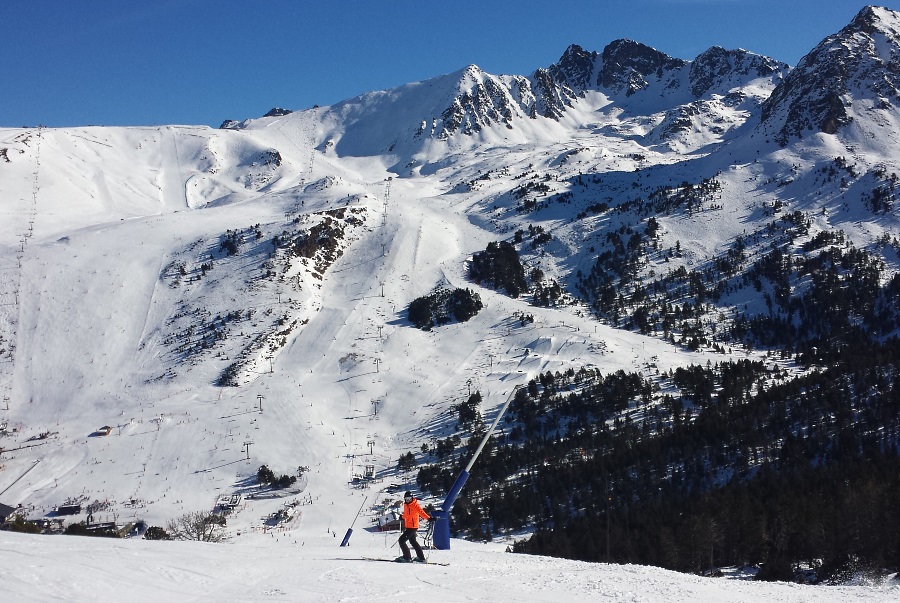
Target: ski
396 561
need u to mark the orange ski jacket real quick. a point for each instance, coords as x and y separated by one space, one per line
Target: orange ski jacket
411 513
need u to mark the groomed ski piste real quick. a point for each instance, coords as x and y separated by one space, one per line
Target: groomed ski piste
123 312
278 569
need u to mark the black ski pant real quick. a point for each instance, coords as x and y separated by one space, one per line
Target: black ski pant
409 535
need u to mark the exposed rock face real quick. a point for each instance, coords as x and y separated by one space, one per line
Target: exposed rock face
277 112
624 69
629 65
483 100
576 68
716 69
553 93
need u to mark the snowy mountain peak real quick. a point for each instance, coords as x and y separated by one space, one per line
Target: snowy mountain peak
872 19
470 105
470 75
862 61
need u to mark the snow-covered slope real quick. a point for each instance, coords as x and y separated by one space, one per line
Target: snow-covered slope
223 299
283 567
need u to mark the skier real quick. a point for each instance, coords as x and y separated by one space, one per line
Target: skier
412 511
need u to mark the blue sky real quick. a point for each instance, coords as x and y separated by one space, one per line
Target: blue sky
148 62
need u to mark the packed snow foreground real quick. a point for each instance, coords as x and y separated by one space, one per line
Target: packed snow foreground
276 568
180 306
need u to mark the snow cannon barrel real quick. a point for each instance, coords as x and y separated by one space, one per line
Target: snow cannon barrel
346 540
454 491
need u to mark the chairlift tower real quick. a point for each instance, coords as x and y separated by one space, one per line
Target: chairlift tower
387 195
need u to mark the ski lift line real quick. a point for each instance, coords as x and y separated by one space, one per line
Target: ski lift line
20 477
27 212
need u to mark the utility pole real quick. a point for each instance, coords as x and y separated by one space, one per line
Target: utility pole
260 398
247 448
376 360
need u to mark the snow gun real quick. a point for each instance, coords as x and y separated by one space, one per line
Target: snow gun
442 516
346 540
